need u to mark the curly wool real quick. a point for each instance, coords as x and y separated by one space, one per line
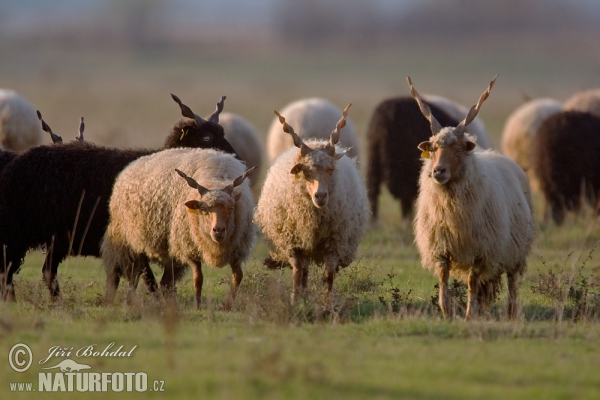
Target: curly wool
586 101
482 220
246 142
148 215
290 221
311 118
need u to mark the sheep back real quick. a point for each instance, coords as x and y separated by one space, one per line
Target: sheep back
311 118
245 140
149 216
585 101
566 159
20 128
485 219
290 221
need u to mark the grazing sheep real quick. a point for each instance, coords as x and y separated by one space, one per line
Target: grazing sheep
459 112
312 118
566 161
245 140
313 207
395 130
57 196
19 127
586 101
474 214
520 128
155 216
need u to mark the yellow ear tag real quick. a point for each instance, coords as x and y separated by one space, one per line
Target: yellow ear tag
182 135
297 176
193 210
425 154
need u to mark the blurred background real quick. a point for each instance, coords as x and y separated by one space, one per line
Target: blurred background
115 62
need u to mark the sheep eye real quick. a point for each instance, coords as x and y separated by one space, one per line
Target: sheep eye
204 211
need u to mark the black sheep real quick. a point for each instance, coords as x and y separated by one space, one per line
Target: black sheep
396 128
6 157
57 196
566 161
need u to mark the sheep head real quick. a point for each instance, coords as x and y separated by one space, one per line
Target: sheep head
198 132
317 164
215 207
448 146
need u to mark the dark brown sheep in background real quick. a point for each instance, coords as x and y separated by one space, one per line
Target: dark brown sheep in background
57 196
566 162
396 128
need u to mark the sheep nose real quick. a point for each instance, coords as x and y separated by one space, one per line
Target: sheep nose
321 196
218 230
439 170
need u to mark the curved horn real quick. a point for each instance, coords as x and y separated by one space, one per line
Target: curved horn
192 183
187 112
335 134
304 149
81 129
475 109
237 181
425 110
214 117
55 138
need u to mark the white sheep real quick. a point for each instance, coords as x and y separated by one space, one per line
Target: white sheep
312 118
155 216
585 101
520 128
459 112
245 140
313 207
19 125
474 215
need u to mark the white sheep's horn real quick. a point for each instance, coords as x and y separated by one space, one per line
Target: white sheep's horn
237 181
192 182
81 129
304 149
475 109
187 112
335 134
55 138
214 117
425 110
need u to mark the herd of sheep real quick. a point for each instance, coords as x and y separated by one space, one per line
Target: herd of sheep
192 202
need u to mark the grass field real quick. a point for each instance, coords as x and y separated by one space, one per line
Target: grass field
382 337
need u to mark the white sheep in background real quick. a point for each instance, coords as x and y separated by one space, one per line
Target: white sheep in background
520 128
459 112
245 141
155 216
474 216
313 208
19 125
585 101
312 119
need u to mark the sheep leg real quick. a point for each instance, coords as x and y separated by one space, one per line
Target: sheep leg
513 291
236 279
172 273
442 269
298 267
329 275
54 255
198 281
8 290
473 289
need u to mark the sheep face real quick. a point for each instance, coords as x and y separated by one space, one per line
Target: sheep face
446 153
214 213
317 168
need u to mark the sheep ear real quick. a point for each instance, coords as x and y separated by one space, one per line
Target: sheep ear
297 169
469 145
424 146
193 204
